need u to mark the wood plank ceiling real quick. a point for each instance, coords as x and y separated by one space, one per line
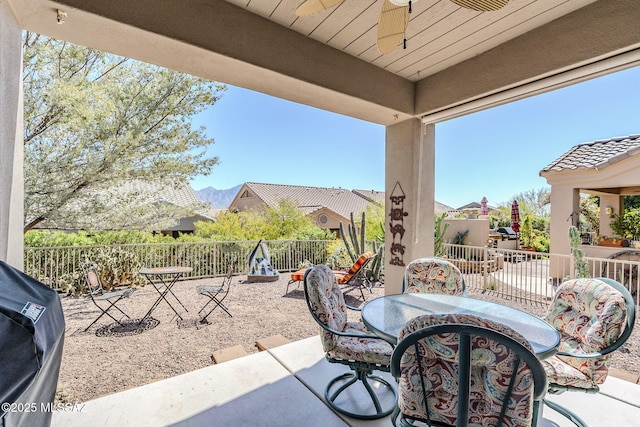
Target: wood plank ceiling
440 33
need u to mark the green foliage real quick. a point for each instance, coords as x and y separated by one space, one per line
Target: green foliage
284 221
337 255
627 225
354 243
45 238
631 202
590 214
439 249
375 220
458 239
580 264
93 121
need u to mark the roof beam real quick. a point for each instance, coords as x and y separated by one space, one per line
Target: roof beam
588 36
220 41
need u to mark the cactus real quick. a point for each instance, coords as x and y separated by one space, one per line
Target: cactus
580 265
358 244
438 244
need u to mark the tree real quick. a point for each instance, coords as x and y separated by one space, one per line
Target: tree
536 202
94 121
284 221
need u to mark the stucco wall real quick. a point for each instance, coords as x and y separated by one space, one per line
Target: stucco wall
11 148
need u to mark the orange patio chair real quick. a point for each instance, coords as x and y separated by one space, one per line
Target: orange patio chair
354 276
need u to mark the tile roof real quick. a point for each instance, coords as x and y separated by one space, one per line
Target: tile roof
310 199
339 200
597 154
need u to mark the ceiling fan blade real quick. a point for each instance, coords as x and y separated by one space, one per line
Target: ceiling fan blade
482 5
310 7
391 26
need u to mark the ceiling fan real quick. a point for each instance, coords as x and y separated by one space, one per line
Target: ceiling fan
394 16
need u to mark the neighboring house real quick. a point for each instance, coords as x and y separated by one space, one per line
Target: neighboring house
607 168
327 207
139 194
473 207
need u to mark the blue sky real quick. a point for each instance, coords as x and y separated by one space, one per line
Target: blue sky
496 153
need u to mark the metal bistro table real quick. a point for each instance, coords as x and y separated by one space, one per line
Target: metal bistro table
163 285
386 316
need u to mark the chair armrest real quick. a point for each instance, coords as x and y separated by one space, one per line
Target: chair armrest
349 334
350 307
584 355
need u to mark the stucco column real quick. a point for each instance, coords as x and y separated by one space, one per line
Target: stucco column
565 212
613 202
11 146
409 192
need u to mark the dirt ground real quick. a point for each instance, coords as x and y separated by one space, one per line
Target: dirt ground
109 358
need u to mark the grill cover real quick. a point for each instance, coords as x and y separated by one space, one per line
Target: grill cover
31 339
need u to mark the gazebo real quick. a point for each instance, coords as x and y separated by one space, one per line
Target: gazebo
607 168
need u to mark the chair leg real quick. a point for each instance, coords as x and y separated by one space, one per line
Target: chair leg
106 311
364 376
217 304
566 413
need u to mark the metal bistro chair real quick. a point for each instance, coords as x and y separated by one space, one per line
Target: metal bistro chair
216 294
460 370
595 317
102 299
433 275
351 344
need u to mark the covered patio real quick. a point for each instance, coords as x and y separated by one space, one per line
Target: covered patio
456 61
285 386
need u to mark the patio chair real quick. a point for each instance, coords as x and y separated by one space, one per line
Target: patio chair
102 299
459 370
595 317
216 294
350 344
355 276
433 275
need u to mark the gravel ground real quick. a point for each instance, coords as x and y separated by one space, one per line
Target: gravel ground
108 358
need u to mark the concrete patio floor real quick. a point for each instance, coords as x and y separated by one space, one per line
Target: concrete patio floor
285 386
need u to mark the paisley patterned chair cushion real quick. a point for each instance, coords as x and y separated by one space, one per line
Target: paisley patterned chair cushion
590 315
492 364
327 302
433 275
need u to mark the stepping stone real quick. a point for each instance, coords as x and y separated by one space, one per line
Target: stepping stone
228 353
271 342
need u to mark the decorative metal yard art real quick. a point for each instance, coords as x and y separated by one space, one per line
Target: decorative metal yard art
484 207
396 223
260 269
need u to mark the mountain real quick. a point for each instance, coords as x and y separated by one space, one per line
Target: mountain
218 199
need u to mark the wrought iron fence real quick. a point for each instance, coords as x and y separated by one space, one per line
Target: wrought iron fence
510 274
54 265
529 276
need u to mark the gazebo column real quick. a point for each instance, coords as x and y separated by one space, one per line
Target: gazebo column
610 204
565 212
409 192
11 141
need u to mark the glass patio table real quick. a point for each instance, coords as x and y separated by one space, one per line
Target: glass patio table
386 316
163 279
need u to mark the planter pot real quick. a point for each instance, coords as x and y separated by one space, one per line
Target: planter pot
610 242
